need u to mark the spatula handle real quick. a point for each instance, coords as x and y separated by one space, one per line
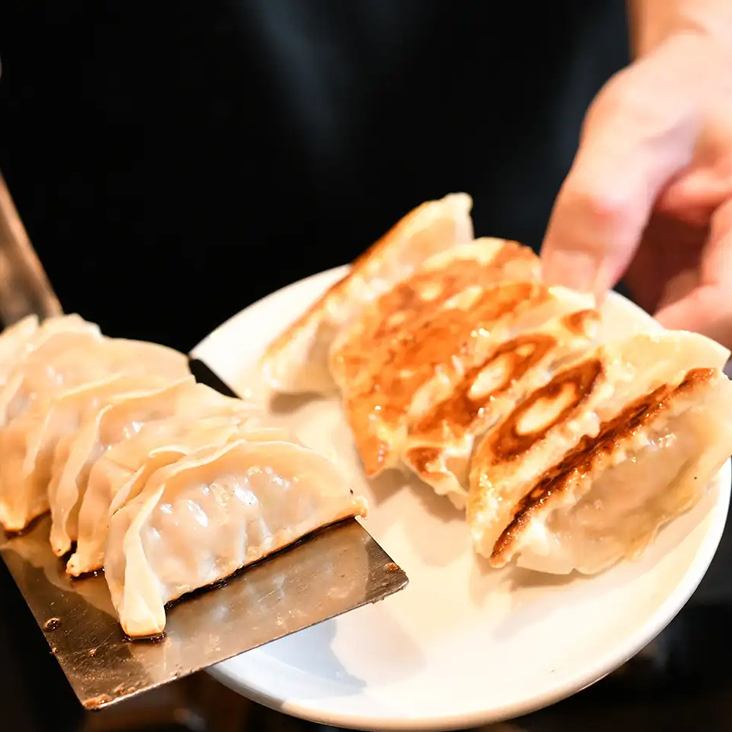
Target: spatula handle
24 286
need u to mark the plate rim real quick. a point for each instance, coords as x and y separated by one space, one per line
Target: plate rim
655 623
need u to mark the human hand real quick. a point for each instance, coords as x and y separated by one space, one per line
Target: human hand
650 192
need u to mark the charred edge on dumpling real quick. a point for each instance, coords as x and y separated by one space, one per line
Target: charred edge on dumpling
579 321
457 413
462 412
509 443
422 459
455 416
391 318
581 458
224 581
412 362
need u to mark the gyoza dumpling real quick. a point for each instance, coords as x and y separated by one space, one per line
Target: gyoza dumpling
66 352
297 361
27 444
440 441
43 362
123 470
121 418
202 518
48 404
425 361
23 337
13 341
547 481
446 280
610 494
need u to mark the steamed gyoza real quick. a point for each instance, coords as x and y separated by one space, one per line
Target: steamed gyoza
27 444
108 425
13 342
297 361
120 473
41 363
165 483
72 370
587 468
205 516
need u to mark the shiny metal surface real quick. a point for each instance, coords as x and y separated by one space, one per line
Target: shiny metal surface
337 569
24 287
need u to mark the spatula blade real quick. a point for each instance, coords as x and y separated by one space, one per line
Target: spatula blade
338 569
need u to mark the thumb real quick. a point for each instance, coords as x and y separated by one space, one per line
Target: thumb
635 139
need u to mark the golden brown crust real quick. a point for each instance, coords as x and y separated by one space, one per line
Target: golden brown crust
420 459
508 362
397 313
584 456
459 411
568 389
580 321
437 339
467 410
412 360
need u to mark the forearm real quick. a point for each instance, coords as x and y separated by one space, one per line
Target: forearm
653 21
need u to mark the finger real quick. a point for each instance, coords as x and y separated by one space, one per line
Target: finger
693 197
707 308
607 199
637 137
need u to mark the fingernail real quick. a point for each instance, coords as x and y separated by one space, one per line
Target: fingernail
572 268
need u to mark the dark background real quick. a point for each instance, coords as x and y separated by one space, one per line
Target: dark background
175 161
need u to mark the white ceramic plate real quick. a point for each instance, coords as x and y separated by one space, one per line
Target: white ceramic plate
462 645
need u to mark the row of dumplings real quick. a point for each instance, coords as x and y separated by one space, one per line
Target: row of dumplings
166 484
568 436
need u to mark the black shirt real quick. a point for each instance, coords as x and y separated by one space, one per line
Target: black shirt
174 162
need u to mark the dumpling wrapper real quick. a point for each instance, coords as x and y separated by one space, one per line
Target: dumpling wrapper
609 496
297 361
47 406
28 443
46 363
426 362
206 516
121 472
450 279
13 342
551 421
439 443
118 420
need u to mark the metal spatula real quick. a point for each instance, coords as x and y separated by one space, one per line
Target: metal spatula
338 569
